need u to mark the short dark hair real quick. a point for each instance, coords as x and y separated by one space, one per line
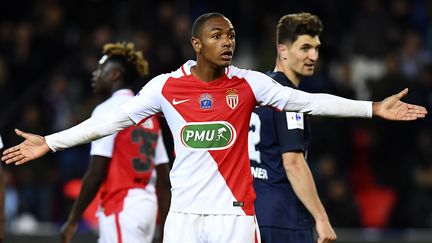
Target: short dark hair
134 64
292 25
201 20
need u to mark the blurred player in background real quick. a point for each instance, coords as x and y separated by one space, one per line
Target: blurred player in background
124 166
287 203
208 104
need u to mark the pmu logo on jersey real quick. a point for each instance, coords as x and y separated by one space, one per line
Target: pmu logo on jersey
206 101
232 98
215 135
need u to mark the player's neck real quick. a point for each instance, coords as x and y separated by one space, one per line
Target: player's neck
289 73
207 73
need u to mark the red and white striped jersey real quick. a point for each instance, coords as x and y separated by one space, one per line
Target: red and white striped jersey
134 153
210 123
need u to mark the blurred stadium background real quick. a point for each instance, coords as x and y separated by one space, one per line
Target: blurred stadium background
374 177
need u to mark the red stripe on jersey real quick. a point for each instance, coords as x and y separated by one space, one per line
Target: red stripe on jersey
233 163
184 72
257 235
118 228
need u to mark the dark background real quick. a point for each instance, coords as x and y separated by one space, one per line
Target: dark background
369 173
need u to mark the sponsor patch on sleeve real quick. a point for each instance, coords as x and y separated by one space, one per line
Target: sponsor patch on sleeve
294 120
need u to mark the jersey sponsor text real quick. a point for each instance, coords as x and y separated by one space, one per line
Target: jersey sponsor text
208 135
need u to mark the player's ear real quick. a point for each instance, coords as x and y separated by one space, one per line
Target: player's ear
115 74
196 44
282 51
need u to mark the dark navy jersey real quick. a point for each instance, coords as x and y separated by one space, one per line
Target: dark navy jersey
271 134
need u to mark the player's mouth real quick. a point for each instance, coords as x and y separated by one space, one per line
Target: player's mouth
310 65
227 55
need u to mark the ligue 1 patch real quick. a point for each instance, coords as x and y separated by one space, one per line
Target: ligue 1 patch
294 120
238 204
232 98
206 101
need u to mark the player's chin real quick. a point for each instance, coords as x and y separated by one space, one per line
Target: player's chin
308 72
224 63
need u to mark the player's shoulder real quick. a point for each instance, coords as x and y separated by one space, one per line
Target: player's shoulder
256 79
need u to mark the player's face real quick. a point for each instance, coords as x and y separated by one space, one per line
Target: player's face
301 57
101 81
217 42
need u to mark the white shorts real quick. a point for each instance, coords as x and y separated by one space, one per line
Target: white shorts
135 224
210 228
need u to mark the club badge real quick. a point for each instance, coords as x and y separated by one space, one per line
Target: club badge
232 98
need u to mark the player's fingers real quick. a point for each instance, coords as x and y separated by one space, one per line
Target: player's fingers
21 133
419 115
11 149
401 94
11 155
417 109
22 161
14 159
327 239
414 114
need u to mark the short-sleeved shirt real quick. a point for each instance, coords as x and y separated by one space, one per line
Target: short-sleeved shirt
134 153
273 133
209 122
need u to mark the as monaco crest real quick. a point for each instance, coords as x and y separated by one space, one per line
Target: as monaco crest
232 98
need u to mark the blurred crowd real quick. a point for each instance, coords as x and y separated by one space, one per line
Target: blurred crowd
369 173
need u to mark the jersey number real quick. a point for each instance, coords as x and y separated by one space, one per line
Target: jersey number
146 149
254 137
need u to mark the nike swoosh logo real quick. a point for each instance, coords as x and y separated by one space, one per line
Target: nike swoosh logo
176 102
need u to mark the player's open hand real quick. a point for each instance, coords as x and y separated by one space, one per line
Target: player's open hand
33 147
392 108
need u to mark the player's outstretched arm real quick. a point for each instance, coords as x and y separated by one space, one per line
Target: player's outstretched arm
91 129
392 108
33 147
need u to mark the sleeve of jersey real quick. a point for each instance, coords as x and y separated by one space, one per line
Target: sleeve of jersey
104 146
270 93
91 129
147 102
327 105
161 155
291 139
